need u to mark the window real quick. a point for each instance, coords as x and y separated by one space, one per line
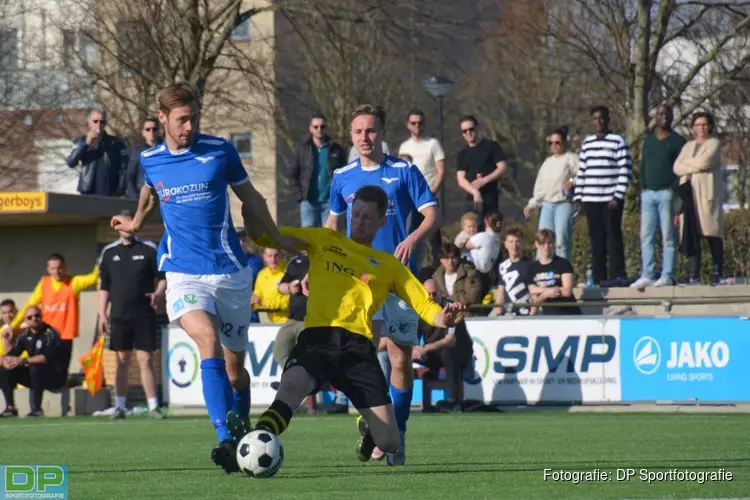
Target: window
243 143
88 49
242 33
68 55
133 50
9 49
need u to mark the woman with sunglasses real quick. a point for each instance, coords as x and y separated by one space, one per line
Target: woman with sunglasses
553 191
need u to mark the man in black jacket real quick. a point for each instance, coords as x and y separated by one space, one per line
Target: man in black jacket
103 157
312 169
45 368
151 137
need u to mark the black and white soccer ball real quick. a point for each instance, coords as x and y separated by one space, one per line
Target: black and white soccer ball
260 454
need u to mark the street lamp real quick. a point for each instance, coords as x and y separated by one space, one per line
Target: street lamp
439 87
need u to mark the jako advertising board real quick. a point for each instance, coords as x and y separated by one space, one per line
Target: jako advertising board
685 358
182 368
532 360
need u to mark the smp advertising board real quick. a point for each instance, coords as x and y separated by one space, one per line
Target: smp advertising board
544 360
680 359
182 367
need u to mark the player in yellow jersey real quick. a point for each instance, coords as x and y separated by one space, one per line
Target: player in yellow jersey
349 282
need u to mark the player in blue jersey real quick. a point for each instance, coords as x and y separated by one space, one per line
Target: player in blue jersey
406 189
208 281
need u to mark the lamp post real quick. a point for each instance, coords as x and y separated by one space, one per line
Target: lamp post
439 87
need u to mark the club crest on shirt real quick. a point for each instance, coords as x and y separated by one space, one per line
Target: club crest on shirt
373 261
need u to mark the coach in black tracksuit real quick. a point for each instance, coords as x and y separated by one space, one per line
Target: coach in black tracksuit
45 368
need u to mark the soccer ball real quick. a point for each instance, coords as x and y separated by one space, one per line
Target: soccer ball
260 454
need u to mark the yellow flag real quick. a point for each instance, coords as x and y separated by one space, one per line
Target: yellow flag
92 366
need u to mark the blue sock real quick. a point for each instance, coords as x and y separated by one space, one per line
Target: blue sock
217 393
242 402
401 406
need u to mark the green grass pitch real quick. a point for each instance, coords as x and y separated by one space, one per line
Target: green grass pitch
479 456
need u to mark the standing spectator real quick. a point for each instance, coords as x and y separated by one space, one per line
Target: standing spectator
553 191
129 277
151 137
8 311
314 161
427 154
550 277
58 296
448 348
513 274
702 191
45 368
660 151
480 165
457 280
603 177
254 262
266 290
290 285
103 157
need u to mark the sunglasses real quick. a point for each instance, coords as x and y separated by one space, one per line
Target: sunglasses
467 130
554 143
416 124
150 129
319 127
33 316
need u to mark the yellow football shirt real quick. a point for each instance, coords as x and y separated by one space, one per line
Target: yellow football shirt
349 282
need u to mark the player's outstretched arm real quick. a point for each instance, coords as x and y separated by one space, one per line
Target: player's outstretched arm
256 216
146 205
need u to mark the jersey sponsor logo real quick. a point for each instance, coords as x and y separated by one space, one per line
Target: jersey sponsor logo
138 257
334 249
335 267
184 193
59 307
190 298
388 180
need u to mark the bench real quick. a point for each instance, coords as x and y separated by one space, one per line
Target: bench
431 382
54 403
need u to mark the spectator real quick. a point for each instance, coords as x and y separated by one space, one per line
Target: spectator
484 247
457 280
480 165
132 285
266 292
600 186
290 285
254 262
513 274
553 191
550 277
8 311
448 348
354 155
151 137
45 368
660 151
469 228
103 157
427 154
314 161
58 296
702 190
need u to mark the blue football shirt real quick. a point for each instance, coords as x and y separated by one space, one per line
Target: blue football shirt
192 188
406 189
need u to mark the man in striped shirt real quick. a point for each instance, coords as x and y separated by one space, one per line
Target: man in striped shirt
603 176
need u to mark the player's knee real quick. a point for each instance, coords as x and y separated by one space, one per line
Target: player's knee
144 358
123 358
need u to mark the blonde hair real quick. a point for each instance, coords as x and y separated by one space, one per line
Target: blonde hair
470 217
176 95
369 110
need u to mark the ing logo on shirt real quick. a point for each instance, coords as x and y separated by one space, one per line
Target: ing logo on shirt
186 192
547 279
